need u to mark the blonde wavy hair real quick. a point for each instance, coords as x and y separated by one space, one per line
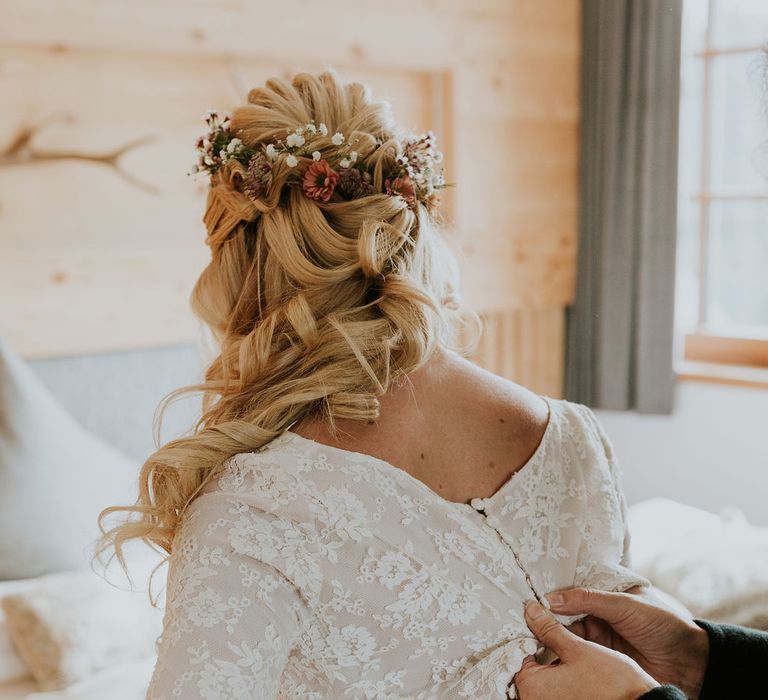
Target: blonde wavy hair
316 307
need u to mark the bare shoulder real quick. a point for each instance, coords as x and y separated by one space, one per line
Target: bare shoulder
514 411
482 428
457 427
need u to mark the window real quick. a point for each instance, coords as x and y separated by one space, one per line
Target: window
722 276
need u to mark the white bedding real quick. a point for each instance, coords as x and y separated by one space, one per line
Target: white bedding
14 673
124 682
128 673
12 668
71 626
715 565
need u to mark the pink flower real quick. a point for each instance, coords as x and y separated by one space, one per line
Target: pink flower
319 181
402 186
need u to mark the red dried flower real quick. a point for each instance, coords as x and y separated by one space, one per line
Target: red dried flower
319 181
402 186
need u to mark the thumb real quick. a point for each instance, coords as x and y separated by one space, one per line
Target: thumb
549 631
610 607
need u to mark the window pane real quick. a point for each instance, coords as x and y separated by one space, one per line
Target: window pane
739 133
689 165
687 268
738 264
738 22
691 98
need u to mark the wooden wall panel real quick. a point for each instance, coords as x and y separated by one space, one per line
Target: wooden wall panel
90 261
523 344
107 263
401 33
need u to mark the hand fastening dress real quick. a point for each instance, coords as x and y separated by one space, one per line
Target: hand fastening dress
308 572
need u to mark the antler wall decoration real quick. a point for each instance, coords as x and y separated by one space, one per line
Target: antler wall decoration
20 151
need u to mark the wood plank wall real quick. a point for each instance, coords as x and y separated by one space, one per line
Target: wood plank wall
92 260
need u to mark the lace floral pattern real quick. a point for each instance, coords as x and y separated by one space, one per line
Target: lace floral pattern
308 571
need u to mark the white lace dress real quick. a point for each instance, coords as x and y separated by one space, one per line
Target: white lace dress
313 573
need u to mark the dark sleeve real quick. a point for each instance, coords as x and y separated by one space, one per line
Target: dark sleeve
664 692
736 667
737 660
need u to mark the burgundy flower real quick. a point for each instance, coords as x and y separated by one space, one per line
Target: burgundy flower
355 183
402 186
319 181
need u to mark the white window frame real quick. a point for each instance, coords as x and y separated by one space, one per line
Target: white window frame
702 344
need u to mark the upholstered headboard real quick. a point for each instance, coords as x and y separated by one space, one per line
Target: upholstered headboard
115 394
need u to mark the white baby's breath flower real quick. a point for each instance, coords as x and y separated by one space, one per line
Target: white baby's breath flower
233 144
292 161
208 160
353 156
344 163
299 130
295 140
337 139
316 155
323 129
271 152
311 128
223 154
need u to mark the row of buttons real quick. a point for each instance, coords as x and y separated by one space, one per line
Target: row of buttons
479 503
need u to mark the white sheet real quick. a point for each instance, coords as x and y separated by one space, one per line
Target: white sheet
716 565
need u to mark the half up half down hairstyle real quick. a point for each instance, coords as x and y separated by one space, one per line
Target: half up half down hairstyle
317 307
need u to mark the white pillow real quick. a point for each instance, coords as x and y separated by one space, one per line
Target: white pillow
12 666
69 626
55 477
716 565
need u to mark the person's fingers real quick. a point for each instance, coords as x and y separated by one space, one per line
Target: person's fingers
549 631
529 667
579 629
529 663
598 631
611 607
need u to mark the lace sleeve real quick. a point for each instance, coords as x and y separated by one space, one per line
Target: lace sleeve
615 474
233 610
606 563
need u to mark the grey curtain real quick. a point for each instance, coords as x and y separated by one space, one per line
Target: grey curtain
620 328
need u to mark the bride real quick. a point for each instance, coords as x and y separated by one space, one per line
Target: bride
360 512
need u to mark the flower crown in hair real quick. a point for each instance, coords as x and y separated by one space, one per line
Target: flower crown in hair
416 175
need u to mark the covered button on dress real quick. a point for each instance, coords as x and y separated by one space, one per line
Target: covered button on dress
308 572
